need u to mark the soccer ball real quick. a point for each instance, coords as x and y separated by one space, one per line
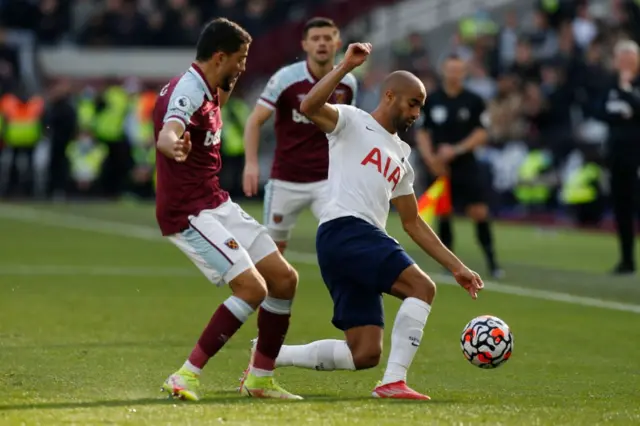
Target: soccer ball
487 342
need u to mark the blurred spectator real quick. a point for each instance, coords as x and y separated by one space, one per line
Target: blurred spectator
86 158
412 55
22 130
508 40
60 120
591 78
9 65
53 21
555 119
543 39
525 65
480 82
255 19
584 27
505 112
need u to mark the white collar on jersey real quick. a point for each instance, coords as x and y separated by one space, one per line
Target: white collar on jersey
199 75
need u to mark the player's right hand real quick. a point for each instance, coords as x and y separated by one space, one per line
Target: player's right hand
356 54
469 280
250 179
182 148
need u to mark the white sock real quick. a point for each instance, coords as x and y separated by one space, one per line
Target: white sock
323 355
190 367
258 372
405 338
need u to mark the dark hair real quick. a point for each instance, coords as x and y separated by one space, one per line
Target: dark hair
318 22
220 35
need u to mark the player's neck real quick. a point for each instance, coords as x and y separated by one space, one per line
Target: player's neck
452 90
384 121
204 67
319 70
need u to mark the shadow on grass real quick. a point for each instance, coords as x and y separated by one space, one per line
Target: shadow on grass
214 398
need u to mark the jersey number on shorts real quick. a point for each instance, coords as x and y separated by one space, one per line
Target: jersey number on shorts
212 138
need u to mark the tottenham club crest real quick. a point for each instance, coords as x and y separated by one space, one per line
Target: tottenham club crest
232 244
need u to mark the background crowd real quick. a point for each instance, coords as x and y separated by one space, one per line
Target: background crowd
540 71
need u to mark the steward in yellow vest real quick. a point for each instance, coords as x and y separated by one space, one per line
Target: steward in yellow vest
582 193
86 159
536 180
234 116
112 109
143 176
22 130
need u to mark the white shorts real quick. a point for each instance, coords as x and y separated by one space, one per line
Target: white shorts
283 202
224 242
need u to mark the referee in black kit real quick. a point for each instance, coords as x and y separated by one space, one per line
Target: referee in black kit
452 129
620 108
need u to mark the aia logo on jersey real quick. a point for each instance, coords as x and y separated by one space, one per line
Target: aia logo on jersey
376 158
232 244
213 138
277 218
340 96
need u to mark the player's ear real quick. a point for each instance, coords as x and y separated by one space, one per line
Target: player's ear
218 58
303 43
338 42
389 96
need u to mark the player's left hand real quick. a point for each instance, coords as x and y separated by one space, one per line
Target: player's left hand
356 54
447 152
470 281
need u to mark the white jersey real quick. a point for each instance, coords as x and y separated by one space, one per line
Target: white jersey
368 167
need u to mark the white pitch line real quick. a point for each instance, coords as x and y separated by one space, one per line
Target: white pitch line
63 220
87 270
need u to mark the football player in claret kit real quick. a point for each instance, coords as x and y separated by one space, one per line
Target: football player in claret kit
196 215
299 171
359 261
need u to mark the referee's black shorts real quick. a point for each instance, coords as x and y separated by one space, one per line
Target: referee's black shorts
470 185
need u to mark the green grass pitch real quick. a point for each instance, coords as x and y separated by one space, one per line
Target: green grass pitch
96 310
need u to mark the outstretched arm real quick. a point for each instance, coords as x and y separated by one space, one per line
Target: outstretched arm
423 235
315 106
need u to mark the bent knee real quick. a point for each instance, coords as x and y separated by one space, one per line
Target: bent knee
425 289
250 287
368 358
413 282
284 285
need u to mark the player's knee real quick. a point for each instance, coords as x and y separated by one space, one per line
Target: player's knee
250 287
425 289
366 357
478 212
284 284
413 282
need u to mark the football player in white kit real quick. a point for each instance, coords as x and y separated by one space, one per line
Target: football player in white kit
359 261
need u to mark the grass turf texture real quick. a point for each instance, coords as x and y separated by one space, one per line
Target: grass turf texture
92 322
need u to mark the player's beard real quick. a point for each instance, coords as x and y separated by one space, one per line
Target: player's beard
228 82
402 125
